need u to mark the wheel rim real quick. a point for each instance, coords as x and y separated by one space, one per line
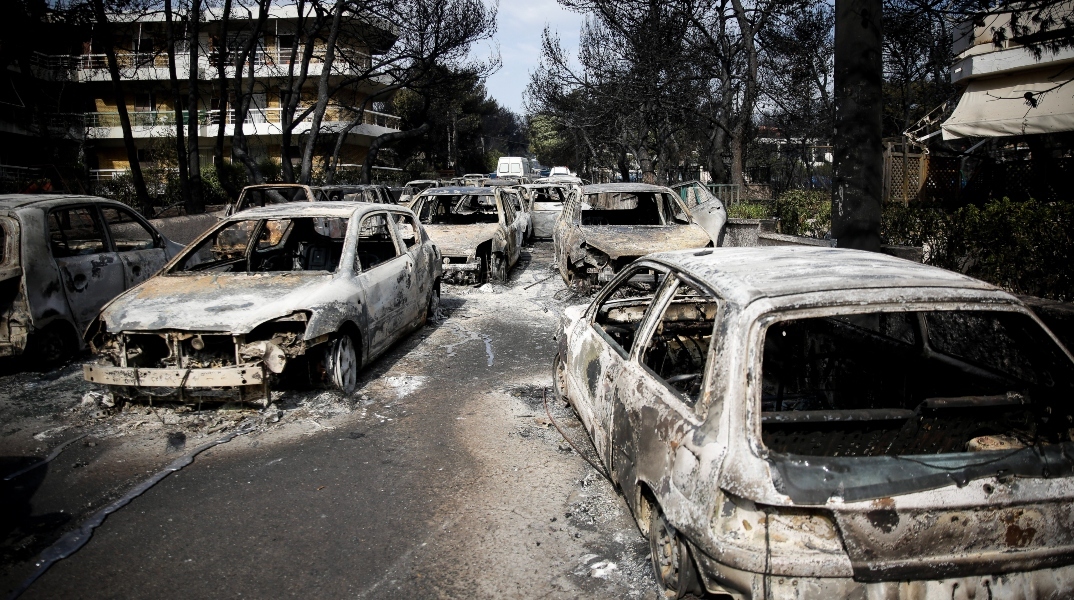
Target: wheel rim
666 551
346 365
559 375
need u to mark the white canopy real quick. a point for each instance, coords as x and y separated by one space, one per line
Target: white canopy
998 107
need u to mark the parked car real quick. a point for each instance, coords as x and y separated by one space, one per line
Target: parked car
61 259
333 283
415 187
377 194
801 422
546 202
276 193
607 226
478 230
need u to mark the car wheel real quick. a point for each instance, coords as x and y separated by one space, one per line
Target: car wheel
341 363
51 345
675 572
559 378
498 267
432 309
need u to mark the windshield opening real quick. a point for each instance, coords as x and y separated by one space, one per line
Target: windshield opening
914 383
306 244
466 209
631 208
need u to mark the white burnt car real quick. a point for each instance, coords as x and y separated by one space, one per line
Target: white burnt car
478 230
322 286
802 422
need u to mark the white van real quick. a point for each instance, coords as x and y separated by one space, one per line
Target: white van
513 166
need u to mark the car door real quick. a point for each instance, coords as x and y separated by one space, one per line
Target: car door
139 247
508 221
419 279
383 275
601 346
91 271
656 396
522 216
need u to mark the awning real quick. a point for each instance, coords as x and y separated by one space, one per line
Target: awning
998 106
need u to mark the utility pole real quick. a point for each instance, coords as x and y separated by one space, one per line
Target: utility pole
858 139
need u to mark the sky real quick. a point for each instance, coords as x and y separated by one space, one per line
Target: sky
518 36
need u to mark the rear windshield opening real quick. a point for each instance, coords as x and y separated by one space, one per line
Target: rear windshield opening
307 244
464 209
270 196
915 383
631 208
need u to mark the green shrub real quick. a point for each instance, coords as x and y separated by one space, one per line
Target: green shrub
1025 247
805 212
750 210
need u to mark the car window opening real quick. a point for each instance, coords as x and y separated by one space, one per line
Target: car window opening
624 307
467 209
306 244
375 243
630 208
680 343
891 384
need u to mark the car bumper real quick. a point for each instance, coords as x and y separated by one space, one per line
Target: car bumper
1047 583
242 375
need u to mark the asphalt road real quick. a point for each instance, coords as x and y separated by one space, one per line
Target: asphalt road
439 478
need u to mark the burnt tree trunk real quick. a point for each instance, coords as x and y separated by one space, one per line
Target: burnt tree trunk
381 141
177 102
196 202
858 164
145 203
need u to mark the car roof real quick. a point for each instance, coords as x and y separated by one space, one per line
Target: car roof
311 209
12 201
747 274
458 191
596 188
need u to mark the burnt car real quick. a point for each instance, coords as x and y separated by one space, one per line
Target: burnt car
546 202
415 187
61 259
607 226
477 229
324 287
365 192
802 422
276 193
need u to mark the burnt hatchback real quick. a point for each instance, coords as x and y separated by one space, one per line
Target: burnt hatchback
825 423
322 287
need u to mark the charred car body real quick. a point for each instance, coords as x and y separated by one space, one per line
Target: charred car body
253 196
607 226
333 283
821 423
546 202
63 258
477 229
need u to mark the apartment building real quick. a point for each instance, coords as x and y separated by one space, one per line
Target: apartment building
143 63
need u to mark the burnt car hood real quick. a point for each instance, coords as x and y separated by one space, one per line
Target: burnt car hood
639 240
234 303
461 240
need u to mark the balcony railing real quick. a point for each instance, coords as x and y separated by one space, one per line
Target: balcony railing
130 62
155 118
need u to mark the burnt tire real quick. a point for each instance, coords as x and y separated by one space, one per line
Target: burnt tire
340 364
559 378
675 571
432 309
498 268
50 346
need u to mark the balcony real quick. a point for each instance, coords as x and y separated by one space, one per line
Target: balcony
152 66
259 121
